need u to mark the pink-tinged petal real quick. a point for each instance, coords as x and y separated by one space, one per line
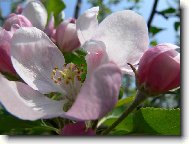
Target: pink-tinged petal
5 60
36 13
96 55
34 57
25 103
14 28
66 36
49 30
125 35
159 69
87 24
98 94
77 129
14 19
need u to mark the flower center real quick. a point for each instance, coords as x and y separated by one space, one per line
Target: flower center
69 78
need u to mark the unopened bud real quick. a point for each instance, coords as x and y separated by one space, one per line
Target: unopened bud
5 60
66 36
77 129
159 69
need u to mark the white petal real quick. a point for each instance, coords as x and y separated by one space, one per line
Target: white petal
34 57
98 95
36 13
87 24
125 35
25 103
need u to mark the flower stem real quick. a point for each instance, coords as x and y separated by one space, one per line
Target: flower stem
140 97
51 128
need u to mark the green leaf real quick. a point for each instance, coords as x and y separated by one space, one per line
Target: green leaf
9 123
157 121
125 127
153 43
10 76
168 11
154 30
115 2
77 57
121 92
176 25
125 101
147 121
55 6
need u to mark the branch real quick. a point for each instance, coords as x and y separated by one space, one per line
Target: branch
168 15
140 97
152 13
77 8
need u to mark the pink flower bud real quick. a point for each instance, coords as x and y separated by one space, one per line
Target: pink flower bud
19 9
49 29
159 69
15 19
66 36
77 129
5 61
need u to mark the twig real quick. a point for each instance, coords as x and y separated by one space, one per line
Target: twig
152 13
77 8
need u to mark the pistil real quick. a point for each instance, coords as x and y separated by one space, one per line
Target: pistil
69 78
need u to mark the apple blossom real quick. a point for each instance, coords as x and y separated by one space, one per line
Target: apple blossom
41 65
49 29
158 72
123 35
5 61
77 129
36 13
66 36
15 19
159 69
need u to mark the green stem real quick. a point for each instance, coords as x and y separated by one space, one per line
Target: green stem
51 128
140 97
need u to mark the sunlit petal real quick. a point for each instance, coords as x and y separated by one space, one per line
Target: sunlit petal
34 57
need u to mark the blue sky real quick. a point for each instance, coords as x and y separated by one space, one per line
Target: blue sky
167 35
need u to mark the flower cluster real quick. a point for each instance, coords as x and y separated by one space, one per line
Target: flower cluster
34 50
41 65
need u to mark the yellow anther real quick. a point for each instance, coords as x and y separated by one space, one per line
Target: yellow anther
55 81
79 78
56 68
67 75
59 79
54 72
